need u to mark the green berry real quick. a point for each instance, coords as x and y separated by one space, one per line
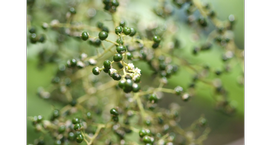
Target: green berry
147 139
155 45
79 138
129 84
118 30
97 42
202 21
120 65
148 122
113 111
162 65
33 38
142 133
178 90
126 30
206 46
107 64
106 70
72 10
115 118
121 83
116 76
195 50
71 136
137 79
73 102
102 35
117 57
107 7
41 142
156 39
39 118
136 87
56 113
120 41
153 98
57 142
42 38
122 23
132 31
61 129
115 3
73 62
32 30
121 48
96 70
75 120
100 25
84 36
89 115
218 72
77 126
105 29
212 13
129 56
202 122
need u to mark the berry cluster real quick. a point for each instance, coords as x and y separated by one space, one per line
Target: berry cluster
101 81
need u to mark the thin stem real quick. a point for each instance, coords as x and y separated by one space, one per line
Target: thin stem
111 42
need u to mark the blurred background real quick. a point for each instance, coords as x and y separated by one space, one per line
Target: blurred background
224 129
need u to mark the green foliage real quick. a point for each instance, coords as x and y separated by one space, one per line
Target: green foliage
100 71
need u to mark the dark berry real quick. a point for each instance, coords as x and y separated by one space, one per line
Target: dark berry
100 25
137 79
136 87
33 38
155 45
77 126
107 64
153 98
84 36
147 139
156 39
132 31
96 71
118 30
120 41
56 113
72 11
121 83
102 35
113 111
89 115
115 3
117 57
126 30
105 29
79 138
71 136
32 30
115 118
142 133
129 56
75 120
121 48
122 23
116 76
62 129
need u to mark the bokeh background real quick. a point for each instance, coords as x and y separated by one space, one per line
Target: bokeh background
224 129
